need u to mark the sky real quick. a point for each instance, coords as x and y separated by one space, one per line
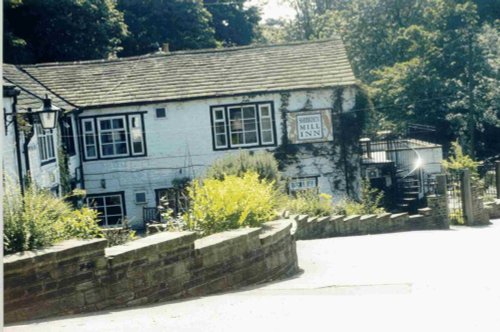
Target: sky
273 9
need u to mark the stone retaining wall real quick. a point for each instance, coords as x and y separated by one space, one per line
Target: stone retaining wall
84 276
435 216
493 209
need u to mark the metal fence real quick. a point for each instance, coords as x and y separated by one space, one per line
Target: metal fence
488 184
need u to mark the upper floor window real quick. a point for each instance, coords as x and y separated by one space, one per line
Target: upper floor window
113 136
45 144
246 125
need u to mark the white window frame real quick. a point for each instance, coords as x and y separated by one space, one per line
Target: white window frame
243 131
46 148
136 132
85 143
112 131
271 130
224 125
303 183
104 217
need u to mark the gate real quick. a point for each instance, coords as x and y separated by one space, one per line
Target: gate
454 194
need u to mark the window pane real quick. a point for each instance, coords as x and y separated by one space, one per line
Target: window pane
250 125
220 128
89 139
251 137
117 123
107 149
221 140
105 124
235 113
248 112
119 136
236 138
137 147
107 138
114 210
113 200
236 125
88 126
91 151
219 114
96 201
114 220
121 148
267 137
264 111
266 124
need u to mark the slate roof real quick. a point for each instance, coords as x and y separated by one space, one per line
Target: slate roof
197 74
32 92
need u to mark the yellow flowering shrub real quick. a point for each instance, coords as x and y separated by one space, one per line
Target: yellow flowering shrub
233 202
311 203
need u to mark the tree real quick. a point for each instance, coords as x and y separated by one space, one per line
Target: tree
233 23
184 24
61 30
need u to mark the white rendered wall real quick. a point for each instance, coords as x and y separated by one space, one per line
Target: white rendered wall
180 145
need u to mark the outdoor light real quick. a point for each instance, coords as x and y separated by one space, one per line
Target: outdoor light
48 114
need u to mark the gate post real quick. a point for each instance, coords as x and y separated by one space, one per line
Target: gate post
466 190
497 173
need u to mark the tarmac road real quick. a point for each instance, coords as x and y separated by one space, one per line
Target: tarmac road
408 281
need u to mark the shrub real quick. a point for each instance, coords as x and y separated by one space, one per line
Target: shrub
38 219
311 203
221 204
119 235
262 163
459 161
371 199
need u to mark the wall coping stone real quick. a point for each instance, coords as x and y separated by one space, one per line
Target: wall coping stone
225 238
65 248
274 229
368 216
152 240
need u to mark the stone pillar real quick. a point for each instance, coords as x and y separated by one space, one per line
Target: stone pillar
466 190
497 173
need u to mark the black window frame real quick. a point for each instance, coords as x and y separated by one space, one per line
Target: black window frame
96 135
161 109
259 143
114 193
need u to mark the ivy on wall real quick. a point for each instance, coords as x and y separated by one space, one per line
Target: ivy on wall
344 151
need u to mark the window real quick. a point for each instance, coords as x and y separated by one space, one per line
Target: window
140 197
110 208
45 144
247 125
177 199
161 113
113 136
67 136
303 184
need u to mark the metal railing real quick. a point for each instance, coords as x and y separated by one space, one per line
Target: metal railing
454 194
488 174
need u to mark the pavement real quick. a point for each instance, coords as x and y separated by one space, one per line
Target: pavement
446 280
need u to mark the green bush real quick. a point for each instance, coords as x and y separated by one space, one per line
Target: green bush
459 161
233 202
311 203
262 163
39 219
370 202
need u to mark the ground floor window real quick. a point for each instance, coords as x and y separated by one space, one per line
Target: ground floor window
303 183
110 207
177 199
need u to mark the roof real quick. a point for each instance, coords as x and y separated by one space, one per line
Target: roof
197 74
32 92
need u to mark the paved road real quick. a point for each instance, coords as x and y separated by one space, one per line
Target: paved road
410 281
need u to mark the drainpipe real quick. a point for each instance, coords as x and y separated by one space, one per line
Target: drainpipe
80 139
27 139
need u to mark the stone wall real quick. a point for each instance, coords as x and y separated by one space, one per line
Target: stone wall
84 276
493 209
435 216
479 213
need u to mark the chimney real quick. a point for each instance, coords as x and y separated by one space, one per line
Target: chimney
165 48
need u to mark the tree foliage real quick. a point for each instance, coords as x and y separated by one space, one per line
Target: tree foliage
430 62
184 24
61 30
